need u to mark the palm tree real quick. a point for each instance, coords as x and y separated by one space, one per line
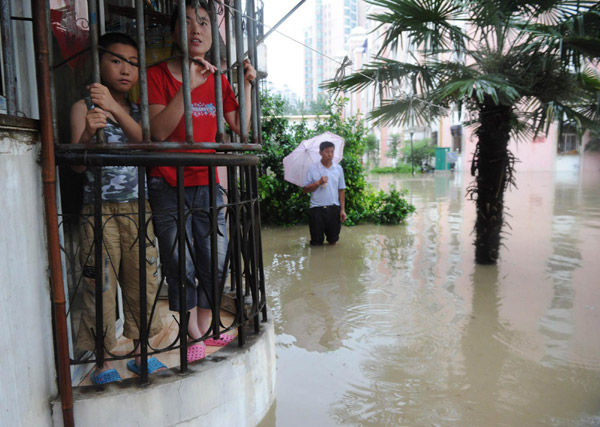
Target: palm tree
515 66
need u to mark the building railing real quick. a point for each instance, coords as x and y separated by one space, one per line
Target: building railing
243 262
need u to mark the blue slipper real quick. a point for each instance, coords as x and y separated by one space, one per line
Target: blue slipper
105 377
153 365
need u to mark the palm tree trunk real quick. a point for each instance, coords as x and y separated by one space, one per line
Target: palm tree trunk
492 166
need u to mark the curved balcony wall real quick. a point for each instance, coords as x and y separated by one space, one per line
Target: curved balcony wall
235 387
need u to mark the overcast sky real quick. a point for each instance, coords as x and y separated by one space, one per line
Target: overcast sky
285 58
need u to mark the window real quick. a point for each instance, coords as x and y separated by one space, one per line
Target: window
2 78
18 59
567 142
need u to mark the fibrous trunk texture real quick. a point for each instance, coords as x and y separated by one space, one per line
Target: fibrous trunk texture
492 167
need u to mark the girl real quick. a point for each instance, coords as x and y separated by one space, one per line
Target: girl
167 123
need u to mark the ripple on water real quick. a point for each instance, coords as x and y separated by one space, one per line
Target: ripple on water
441 413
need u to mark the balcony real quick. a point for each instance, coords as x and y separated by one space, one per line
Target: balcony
239 377
41 263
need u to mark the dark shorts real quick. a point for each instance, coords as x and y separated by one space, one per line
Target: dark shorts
324 221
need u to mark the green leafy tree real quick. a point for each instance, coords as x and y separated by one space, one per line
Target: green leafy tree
321 106
394 144
372 149
421 151
283 203
516 65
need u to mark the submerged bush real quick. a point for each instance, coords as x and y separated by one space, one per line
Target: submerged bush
283 203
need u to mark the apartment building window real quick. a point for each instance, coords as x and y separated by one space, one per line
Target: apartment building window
18 97
568 141
2 92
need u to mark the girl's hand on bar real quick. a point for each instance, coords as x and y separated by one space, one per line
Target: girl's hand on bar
199 72
249 71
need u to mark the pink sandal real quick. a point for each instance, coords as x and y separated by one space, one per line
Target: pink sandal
196 352
223 340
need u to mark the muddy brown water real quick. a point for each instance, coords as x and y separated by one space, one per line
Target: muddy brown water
397 326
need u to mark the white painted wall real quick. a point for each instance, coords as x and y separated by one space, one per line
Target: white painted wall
234 387
28 381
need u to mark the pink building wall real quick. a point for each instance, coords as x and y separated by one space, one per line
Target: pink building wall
532 155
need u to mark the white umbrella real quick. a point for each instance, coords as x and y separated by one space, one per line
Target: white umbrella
296 164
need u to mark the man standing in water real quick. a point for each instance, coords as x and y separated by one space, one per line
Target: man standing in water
325 182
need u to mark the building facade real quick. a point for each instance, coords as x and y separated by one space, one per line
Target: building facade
326 41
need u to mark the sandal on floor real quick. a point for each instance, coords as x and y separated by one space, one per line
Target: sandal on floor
105 377
223 340
154 365
196 352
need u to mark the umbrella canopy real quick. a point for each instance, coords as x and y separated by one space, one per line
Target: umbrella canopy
306 154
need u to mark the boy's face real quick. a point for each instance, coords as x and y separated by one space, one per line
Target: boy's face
199 34
117 74
327 154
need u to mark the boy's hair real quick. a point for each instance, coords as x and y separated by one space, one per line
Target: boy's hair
188 3
108 39
325 144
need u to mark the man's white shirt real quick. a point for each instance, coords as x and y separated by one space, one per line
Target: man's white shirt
325 195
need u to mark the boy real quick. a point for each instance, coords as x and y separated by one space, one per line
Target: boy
325 182
107 107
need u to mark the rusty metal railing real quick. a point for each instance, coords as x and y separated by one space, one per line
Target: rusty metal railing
244 261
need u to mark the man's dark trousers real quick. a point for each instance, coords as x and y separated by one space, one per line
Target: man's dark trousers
324 220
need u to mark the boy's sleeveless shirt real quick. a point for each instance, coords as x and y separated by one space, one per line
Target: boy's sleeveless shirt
119 183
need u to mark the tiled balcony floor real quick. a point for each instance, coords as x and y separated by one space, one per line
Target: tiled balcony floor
161 340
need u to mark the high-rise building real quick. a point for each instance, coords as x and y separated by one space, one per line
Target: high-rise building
327 38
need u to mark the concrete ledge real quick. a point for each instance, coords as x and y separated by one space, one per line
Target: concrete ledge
233 387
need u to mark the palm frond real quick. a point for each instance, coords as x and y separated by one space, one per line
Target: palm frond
426 23
357 81
587 46
545 114
569 9
408 111
590 80
390 73
476 88
580 104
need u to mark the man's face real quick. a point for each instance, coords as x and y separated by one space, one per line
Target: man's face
327 154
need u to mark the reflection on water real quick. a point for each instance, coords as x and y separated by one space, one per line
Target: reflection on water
397 326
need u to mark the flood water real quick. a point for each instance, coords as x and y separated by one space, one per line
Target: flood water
397 326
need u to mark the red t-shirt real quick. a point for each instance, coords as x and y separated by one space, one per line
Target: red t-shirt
162 87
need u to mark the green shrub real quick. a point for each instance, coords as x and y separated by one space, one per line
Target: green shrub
389 208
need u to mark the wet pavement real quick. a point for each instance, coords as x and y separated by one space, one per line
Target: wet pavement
397 326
